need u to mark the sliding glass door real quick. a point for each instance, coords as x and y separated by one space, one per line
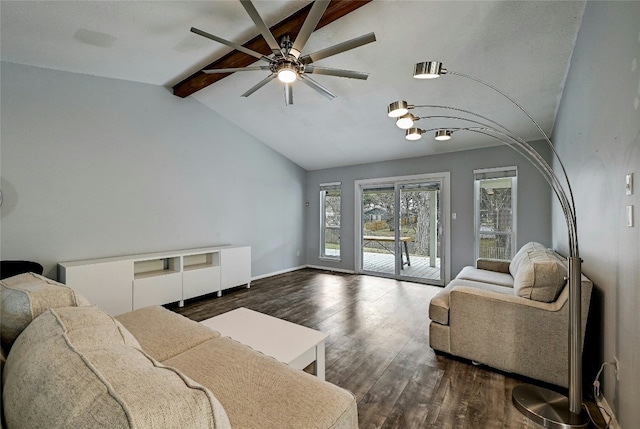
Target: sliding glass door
421 231
402 229
378 230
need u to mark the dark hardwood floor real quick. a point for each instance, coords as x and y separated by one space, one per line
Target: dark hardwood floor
378 348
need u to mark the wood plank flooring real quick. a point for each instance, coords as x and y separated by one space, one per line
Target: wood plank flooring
378 348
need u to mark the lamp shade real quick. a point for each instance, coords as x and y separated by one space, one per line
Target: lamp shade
414 134
428 70
442 135
397 109
406 121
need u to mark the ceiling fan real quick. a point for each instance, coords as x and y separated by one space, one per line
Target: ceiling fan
287 62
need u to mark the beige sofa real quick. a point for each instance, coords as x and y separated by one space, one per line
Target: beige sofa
72 365
510 315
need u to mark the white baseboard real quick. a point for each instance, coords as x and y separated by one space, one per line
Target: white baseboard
602 402
337 270
288 270
275 273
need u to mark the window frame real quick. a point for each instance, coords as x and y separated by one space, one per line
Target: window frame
510 172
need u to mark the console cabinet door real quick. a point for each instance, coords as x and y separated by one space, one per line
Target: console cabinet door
200 281
106 285
236 266
157 290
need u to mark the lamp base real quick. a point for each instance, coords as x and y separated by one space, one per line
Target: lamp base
547 408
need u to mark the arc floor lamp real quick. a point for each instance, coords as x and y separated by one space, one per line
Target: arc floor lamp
544 406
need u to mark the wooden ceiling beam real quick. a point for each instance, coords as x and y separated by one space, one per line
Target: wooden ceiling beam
291 26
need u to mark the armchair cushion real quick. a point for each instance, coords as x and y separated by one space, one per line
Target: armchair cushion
486 276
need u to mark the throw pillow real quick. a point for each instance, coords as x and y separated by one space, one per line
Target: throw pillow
540 276
521 256
25 296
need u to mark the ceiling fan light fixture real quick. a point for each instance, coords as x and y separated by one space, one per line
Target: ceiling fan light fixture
287 73
406 121
414 134
397 109
443 135
428 70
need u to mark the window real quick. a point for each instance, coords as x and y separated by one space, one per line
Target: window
495 212
330 221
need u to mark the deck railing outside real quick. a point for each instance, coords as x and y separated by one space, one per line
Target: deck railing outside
495 252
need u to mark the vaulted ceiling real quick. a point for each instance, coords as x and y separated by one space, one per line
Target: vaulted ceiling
522 47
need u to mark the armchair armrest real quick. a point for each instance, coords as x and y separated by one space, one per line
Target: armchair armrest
511 333
498 265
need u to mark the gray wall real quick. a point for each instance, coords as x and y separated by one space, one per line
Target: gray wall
96 167
598 135
534 199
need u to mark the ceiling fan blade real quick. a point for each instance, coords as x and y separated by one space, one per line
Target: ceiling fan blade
315 85
336 72
309 24
236 69
264 30
288 94
259 85
231 44
337 49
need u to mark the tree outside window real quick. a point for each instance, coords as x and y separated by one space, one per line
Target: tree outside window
495 194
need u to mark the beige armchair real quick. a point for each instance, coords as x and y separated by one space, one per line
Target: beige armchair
510 315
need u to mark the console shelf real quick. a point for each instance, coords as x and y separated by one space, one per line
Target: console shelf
155 267
122 284
201 260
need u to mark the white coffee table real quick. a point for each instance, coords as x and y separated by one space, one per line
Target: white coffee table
295 345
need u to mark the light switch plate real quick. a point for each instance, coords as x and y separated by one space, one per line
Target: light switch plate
629 184
630 216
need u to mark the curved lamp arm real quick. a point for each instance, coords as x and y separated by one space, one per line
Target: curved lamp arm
567 209
523 110
521 146
546 407
546 138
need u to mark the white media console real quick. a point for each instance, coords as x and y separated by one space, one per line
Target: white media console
125 283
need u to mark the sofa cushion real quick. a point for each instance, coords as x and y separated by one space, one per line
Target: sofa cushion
259 392
179 334
79 367
521 255
540 276
26 296
486 276
492 264
440 304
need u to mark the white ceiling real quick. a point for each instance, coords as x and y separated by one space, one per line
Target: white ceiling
522 47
